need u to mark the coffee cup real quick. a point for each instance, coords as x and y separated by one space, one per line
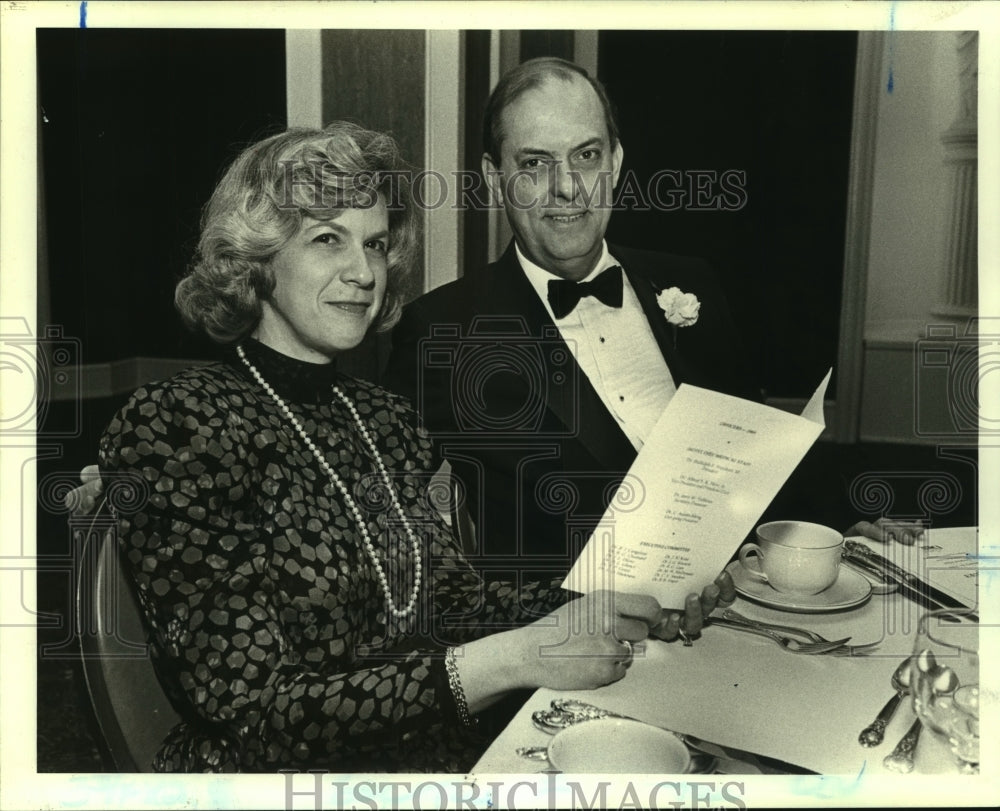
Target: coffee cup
794 557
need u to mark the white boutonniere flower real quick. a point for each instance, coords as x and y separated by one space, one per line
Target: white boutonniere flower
681 309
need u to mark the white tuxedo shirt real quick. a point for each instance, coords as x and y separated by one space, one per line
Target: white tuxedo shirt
615 348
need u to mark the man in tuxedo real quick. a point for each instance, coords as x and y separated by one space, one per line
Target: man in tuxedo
542 374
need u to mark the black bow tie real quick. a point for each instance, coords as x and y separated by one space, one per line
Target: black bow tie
564 294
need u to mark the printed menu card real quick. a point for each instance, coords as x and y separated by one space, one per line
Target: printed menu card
705 475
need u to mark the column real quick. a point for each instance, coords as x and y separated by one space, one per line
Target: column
960 287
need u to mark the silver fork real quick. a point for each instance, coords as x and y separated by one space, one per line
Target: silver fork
729 614
855 650
789 643
843 650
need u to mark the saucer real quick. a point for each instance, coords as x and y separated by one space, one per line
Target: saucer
851 589
618 746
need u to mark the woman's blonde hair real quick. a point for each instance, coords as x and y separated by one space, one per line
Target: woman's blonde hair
258 207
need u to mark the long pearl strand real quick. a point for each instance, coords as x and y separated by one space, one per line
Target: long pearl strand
369 546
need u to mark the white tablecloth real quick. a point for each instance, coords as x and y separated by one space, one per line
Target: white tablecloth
744 691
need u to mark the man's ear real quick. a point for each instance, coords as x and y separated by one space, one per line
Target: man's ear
493 181
616 162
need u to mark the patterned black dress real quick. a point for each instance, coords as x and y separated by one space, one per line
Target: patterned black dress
267 620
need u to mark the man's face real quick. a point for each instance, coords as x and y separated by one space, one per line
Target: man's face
557 175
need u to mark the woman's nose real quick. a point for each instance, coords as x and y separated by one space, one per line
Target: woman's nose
357 270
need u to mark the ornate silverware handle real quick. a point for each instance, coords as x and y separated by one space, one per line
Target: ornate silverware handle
901 758
575 707
874 733
729 614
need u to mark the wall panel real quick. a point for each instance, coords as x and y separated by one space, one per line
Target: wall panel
377 78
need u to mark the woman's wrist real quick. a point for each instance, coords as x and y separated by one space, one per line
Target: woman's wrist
492 666
456 687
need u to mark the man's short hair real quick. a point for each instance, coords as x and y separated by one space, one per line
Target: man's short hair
527 76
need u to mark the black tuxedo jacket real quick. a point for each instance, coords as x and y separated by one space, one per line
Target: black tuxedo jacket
537 451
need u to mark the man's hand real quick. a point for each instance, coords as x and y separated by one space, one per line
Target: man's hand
696 609
887 530
81 500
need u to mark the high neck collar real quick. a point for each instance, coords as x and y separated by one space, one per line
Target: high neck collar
296 380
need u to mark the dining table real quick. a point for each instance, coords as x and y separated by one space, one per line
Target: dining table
772 711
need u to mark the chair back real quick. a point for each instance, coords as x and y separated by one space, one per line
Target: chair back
133 711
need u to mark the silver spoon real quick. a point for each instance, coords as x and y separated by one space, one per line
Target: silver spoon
943 682
874 733
901 758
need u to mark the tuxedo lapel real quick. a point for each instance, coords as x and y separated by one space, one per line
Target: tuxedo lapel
701 354
575 403
509 294
665 334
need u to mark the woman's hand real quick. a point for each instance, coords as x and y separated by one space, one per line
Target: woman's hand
589 641
672 624
586 643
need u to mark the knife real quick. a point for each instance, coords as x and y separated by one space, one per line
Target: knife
909 585
901 576
765 763
894 569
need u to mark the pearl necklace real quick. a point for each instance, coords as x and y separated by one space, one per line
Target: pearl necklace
369 546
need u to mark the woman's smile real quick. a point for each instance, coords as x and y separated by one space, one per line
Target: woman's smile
357 308
329 282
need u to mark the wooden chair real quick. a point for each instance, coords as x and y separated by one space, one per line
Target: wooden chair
132 709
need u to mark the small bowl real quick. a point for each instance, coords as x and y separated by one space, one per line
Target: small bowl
618 746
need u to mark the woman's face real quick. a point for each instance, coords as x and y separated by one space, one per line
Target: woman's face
329 281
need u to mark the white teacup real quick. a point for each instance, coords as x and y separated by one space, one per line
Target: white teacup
795 557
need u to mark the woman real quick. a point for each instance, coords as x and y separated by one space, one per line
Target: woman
300 590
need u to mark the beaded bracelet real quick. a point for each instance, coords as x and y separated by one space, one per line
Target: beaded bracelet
451 666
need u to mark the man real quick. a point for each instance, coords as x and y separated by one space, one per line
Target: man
540 399
541 406
565 399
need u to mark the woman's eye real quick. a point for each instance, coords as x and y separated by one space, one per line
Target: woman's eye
325 238
379 245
